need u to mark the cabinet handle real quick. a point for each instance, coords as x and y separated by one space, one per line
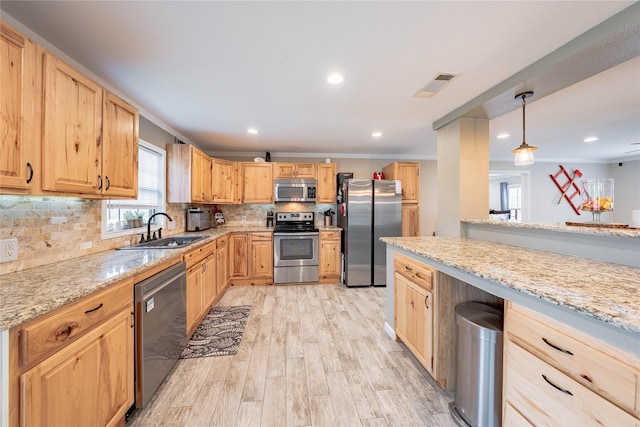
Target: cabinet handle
30 172
408 268
133 319
62 334
426 301
555 347
544 377
94 309
108 182
100 185
204 267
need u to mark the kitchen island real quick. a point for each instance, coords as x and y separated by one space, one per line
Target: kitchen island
600 298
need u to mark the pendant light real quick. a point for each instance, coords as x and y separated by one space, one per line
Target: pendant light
524 153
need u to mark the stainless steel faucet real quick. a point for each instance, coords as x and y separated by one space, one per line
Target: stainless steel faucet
149 224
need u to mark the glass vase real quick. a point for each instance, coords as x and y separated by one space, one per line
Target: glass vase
597 196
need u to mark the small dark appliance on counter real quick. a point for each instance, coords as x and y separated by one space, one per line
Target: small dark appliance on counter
198 219
270 219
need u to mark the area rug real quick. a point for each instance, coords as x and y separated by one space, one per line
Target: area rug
219 334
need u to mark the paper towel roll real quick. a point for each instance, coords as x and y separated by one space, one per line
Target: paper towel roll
635 218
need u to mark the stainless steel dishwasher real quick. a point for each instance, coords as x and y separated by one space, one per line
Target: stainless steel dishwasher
161 328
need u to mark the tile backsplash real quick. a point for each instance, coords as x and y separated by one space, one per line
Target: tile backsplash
52 229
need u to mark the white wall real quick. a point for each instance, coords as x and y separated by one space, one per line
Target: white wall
626 192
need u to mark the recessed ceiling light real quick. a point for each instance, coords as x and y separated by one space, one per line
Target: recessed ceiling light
252 130
503 136
335 79
590 139
376 134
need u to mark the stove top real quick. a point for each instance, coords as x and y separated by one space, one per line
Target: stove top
295 222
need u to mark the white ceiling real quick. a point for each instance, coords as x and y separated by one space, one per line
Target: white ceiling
210 70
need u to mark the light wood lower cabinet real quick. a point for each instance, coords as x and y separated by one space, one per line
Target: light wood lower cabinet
415 281
410 219
74 366
201 284
222 264
556 375
330 261
414 319
251 258
89 383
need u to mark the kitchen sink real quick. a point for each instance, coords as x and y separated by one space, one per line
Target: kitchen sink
165 243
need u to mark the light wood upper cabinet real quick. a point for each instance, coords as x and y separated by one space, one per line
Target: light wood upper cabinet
222 177
19 108
72 130
119 147
329 254
295 170
409 174
257 179
326 181
188 175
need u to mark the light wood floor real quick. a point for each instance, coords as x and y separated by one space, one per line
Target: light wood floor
311 355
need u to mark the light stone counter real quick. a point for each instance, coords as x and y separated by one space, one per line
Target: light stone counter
605 292
596 231
30 293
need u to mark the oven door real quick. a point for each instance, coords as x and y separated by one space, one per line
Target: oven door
295 249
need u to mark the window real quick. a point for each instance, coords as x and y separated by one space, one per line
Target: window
125 217
515 202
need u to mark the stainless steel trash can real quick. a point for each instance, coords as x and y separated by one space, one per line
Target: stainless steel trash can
479 366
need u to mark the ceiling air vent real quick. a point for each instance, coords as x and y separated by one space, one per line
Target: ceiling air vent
435 85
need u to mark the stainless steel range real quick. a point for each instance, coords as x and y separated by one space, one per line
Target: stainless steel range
295 248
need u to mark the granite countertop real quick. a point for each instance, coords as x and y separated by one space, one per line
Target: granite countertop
605 291
600 231
27 294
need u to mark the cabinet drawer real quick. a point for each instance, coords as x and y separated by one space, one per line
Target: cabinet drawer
416 272
586 363
53 332
546 396
222 242
261 236
330 235
195 256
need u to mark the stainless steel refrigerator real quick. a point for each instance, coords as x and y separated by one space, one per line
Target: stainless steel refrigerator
370 209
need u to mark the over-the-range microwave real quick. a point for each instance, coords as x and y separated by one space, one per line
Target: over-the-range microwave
294 190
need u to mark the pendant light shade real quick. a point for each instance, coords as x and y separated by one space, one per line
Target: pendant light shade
524 153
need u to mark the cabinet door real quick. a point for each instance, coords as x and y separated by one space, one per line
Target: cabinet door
20 140
326 179
71 157
329 257
305 170
414 319
89 383
200 176
261 259
221 268
222 181
410 219
209 285
119 148
285 170
257 182
195 296
238 251
409 174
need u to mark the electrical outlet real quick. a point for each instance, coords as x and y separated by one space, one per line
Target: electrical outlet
244 218
8 250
